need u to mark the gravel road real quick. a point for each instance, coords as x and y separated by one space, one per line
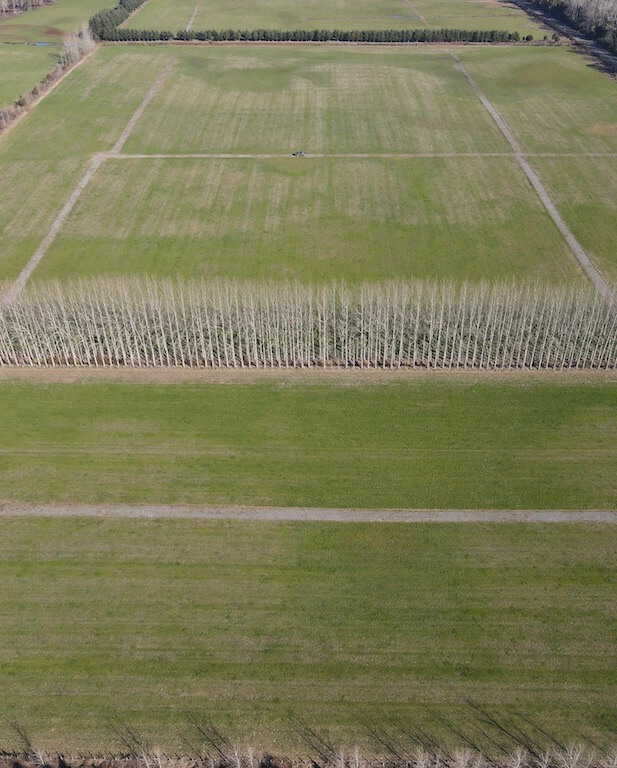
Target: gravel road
313 514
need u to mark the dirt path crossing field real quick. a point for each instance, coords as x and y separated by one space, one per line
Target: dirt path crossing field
313 514
577 249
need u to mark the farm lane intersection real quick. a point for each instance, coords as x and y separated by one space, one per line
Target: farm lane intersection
314 514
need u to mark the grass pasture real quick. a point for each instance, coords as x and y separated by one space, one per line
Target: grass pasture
49 23
21 67
249 623
227 99
464 218
553 99
341 14
452 217
586 191
43 157
417 445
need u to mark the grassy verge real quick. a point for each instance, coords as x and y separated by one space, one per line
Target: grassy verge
250 623
426 444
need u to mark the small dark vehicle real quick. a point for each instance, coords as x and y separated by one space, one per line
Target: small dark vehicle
299 153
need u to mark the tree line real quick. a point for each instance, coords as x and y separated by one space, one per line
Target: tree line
106 32
104 23
596 18
222 324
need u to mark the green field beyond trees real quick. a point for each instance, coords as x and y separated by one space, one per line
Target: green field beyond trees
426 444
333 14
249 624
49 23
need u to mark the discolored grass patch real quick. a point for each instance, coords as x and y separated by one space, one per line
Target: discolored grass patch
319 100
50 22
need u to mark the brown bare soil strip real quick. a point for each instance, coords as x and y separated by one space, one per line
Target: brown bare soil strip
301 376
580 254
313 514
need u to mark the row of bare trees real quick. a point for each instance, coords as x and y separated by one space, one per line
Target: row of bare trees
597 18
18 6
74 48
136 323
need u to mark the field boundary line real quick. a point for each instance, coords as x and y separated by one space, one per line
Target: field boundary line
53 230
133 13
98 159
311 514
191 21
350 155
415 10
580 254
152 91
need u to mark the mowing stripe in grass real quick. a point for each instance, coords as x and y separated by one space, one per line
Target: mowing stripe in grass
315 514
577 249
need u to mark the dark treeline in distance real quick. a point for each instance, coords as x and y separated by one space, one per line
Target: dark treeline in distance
597 18
104 32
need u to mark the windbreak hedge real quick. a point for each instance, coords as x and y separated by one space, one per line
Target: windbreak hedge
104 23
105 30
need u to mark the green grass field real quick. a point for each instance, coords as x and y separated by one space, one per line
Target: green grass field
21 67
43 158
340 14
227 99
465 218
49 23
460 218
251 623
586 191
429 444
553 99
